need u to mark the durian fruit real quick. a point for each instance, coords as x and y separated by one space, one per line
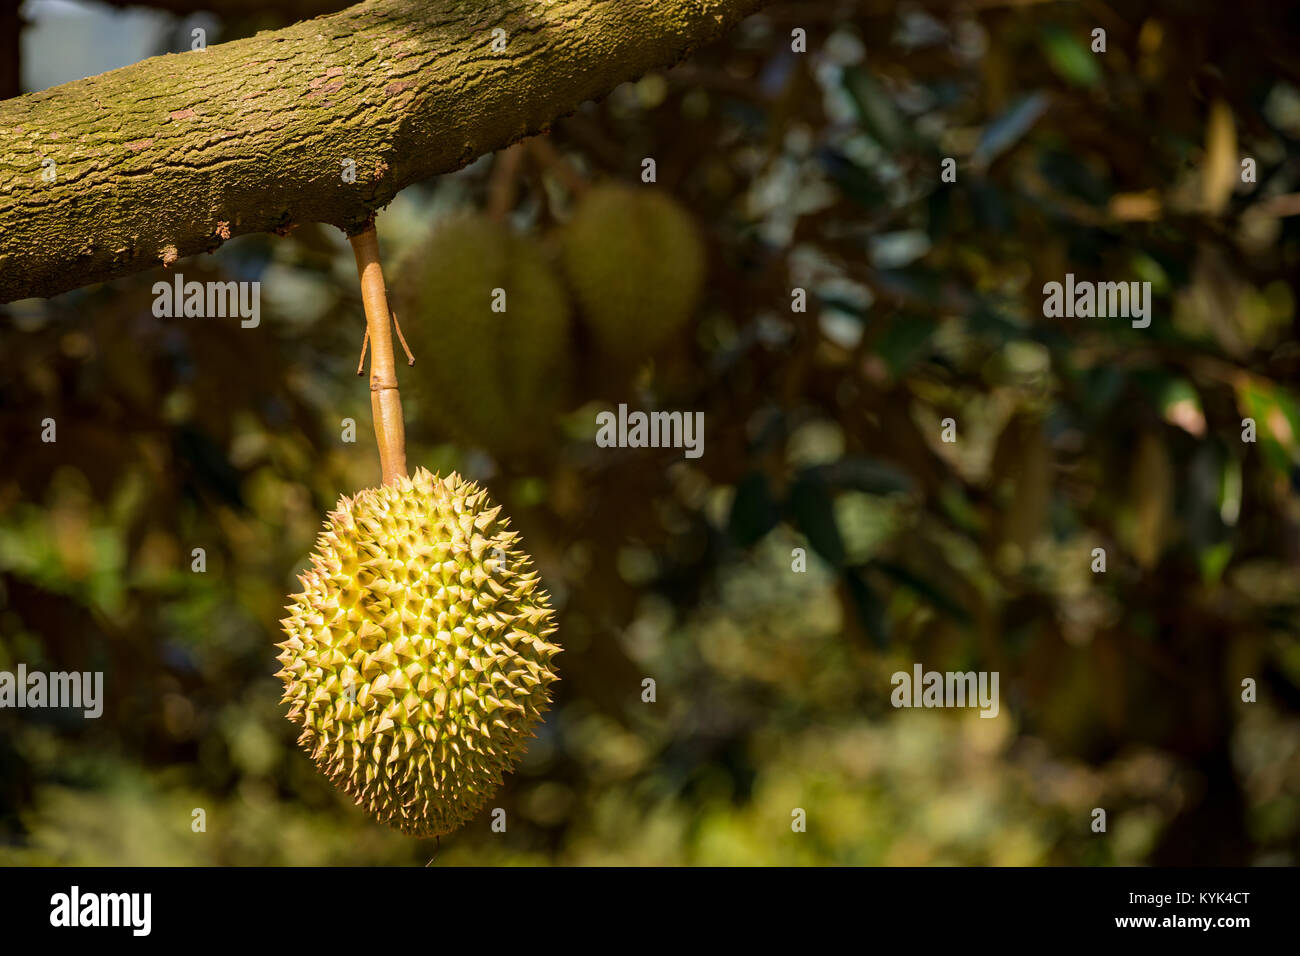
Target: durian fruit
417 661
636 264
493 378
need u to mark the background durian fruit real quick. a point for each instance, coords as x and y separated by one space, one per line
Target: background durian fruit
494 379
636 264
417 661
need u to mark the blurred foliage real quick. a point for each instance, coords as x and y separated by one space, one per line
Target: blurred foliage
816 171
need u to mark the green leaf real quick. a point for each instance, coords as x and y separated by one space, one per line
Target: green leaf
861 473
1213 560
857 183
1073 61
753 511
1005 131
923 588
906 340
1277 421
869 605
880 117
813 513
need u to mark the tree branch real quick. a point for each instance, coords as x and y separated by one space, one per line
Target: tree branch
173 155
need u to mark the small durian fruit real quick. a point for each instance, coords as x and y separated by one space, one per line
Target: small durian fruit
488 321
636 264
418 658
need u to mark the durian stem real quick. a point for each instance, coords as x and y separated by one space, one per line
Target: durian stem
385 400
505 180
568 174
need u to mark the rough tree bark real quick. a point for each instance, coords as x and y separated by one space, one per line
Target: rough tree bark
174 155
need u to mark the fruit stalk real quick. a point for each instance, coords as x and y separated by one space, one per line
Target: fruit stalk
385 400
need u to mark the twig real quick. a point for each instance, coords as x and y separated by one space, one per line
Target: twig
365 342
410 359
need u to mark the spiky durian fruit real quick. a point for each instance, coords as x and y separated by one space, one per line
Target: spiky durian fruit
494 378
637 265
417 661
